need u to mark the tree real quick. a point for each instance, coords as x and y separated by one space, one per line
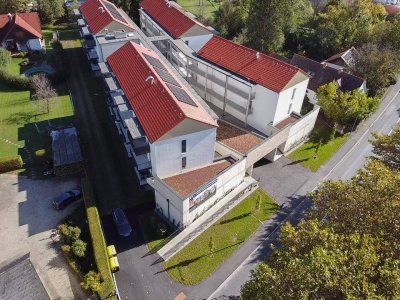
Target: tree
49 10
13 6
5 58
79 248
92 282
347 248
343 25
131 7
342 107
231 17
379 65
44 94
211 246
267 22
387 148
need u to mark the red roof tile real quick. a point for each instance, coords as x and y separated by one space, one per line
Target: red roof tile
97 18
30 22
156 107
174 21
265 70
187 183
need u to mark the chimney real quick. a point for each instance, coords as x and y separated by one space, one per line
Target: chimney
9 17
258 55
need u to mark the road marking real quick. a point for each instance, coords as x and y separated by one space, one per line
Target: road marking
390 132
302 201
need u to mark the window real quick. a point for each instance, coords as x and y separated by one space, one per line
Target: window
290 109
183 162
294 92
183 146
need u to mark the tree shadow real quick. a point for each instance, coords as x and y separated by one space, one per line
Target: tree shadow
187 262
20 118
295 162
234 219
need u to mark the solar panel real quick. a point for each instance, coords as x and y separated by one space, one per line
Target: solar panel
114 12
154 61
167 77
181 95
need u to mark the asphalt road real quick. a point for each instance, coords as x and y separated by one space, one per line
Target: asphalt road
345 164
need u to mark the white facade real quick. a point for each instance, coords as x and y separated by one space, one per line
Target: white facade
166 155
183 212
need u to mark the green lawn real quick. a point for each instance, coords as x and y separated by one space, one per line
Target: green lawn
306 153
193 264
19 118
210 6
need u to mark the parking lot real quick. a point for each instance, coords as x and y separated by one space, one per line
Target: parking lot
26 220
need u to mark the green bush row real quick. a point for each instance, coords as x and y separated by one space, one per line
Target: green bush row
14 81
98 241
10 163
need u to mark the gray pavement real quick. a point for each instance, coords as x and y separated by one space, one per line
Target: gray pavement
344 164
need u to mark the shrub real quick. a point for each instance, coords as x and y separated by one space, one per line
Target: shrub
11 163
14 81
42 155
91 282
5 58
69 233
79 248
161 228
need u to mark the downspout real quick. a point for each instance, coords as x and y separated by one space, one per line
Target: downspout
205 87
226 89
248 105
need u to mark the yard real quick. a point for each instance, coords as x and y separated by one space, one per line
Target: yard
319 148
18 117
194 263
210 6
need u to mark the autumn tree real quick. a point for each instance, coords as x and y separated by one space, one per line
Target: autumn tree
347 248
387 148
342 107
44 94
13 6
50 10
379 65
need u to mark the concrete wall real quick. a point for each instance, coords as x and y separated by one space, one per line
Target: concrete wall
166 155
300 130
163 196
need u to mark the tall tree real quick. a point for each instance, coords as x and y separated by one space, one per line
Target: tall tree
50 10
267 22
13 6
342 107
387 148
379 65
44 94
231 17
348 248
131 7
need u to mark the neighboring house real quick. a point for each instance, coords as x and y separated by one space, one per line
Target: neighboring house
21 32
393 10
342 61
101 20
322 74
160 17
168 135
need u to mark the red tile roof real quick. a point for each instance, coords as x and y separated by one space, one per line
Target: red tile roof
187 183
155 105
174 21
30 22
265 70
289 120
97 18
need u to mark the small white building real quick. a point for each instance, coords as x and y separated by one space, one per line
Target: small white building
160 17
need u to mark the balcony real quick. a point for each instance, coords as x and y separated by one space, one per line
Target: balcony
84 32
142 176
92 55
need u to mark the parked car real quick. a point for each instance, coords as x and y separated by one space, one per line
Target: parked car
67 198
121 222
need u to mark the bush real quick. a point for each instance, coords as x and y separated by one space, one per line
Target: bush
14 81
42 155
79 248
5 58
92 282
11 163
69 233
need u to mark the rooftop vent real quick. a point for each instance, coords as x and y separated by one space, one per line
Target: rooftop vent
151 78
101 9
258 55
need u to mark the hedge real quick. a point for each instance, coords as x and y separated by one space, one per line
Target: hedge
98 241
14 81
10 163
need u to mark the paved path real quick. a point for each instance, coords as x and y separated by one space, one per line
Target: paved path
344 164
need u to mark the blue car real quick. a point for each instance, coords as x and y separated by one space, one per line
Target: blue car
121 222
67 198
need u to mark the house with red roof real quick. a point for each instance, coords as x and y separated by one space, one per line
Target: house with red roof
168 135
167 18
21 32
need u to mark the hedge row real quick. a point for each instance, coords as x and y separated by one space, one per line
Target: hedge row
98 241
11 163
14 81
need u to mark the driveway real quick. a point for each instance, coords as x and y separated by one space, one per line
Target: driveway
26 221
